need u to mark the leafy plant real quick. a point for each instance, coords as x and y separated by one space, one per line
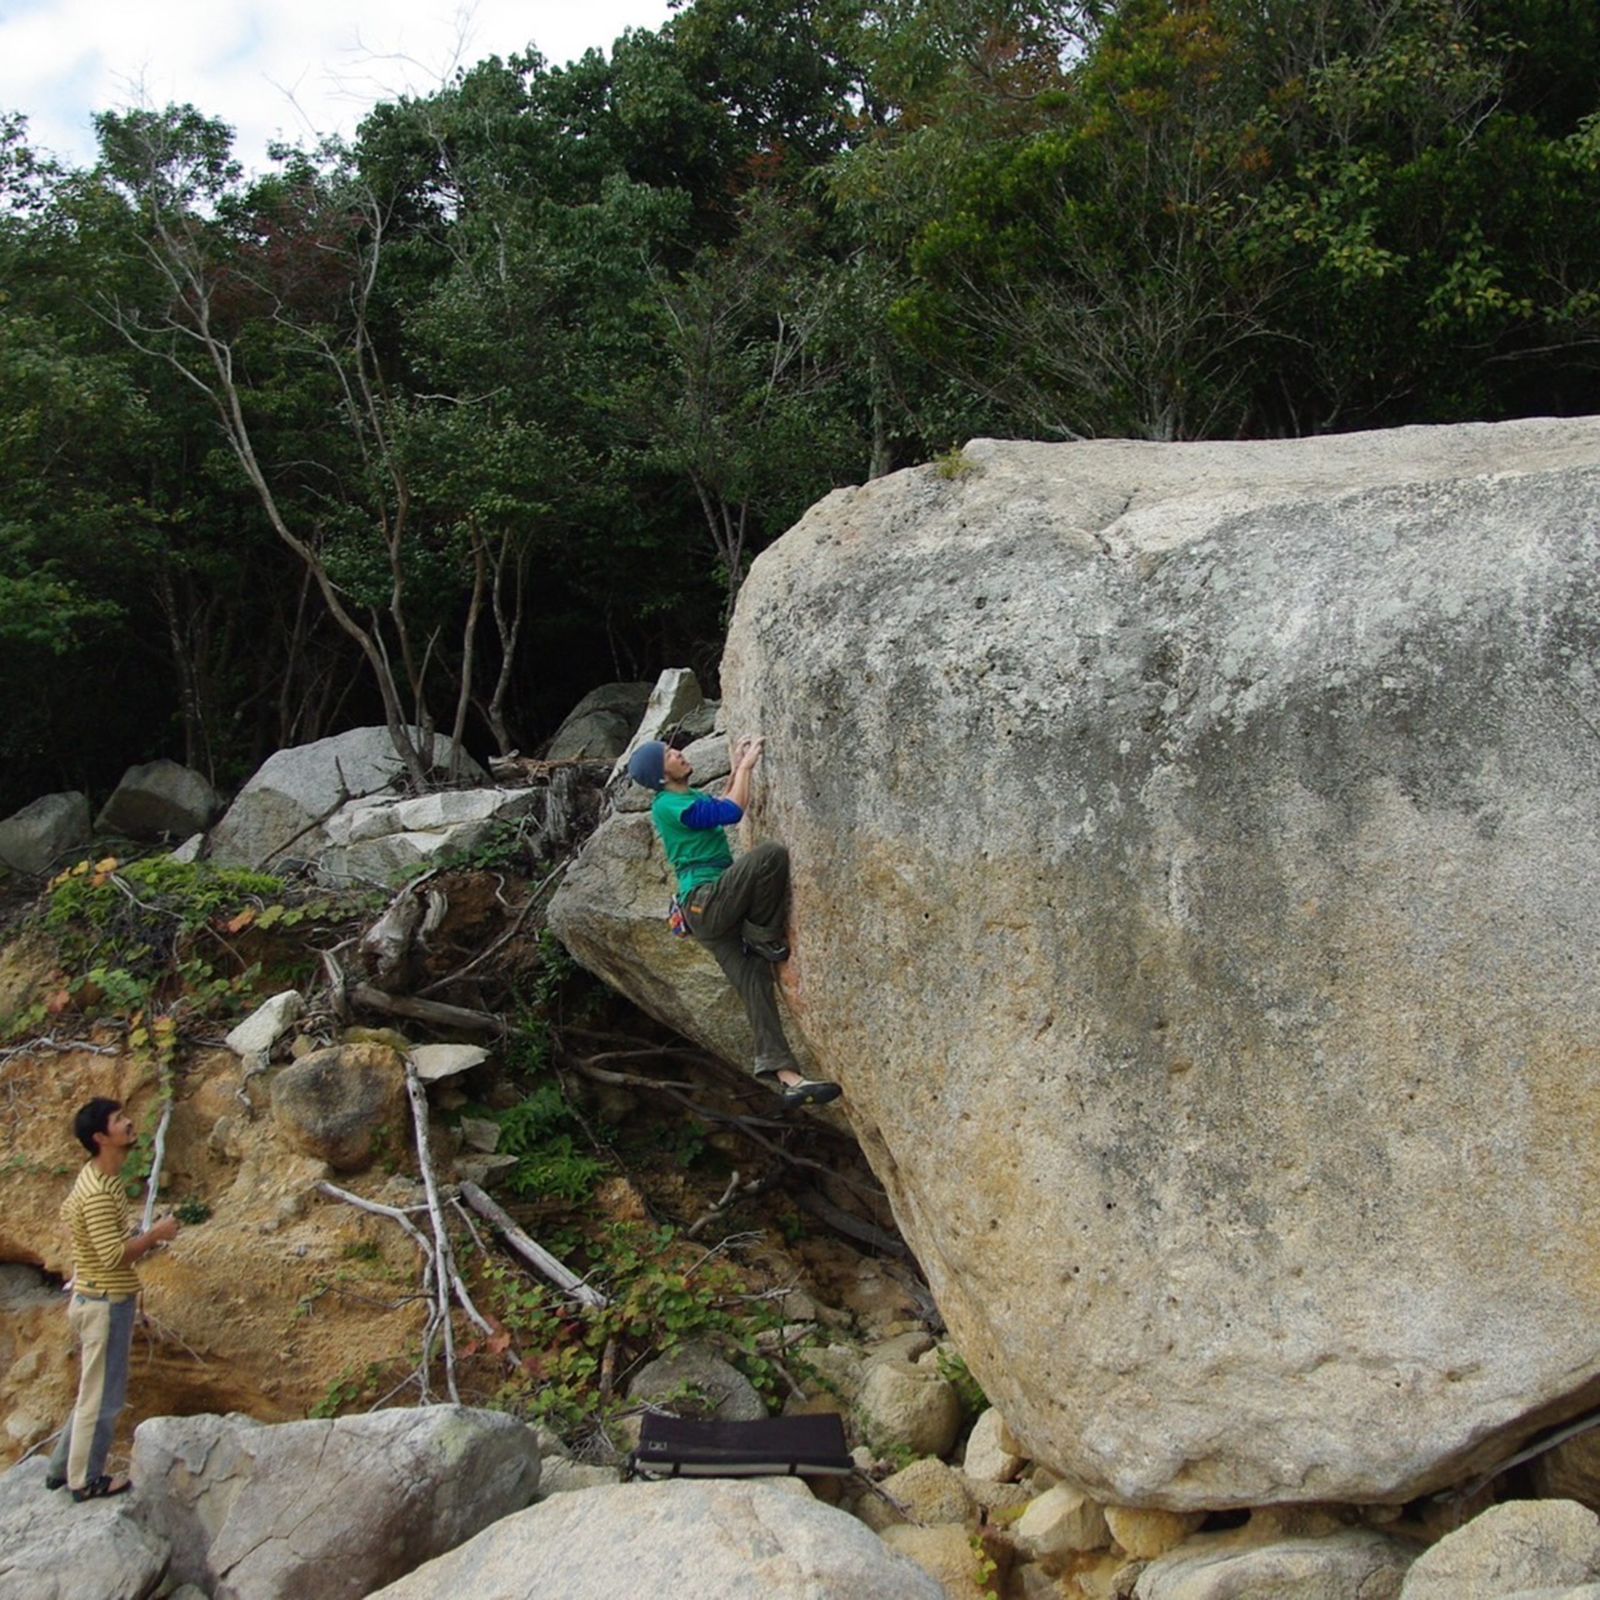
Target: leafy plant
954 1370
541 1133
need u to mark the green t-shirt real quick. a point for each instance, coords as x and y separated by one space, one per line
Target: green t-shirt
696 855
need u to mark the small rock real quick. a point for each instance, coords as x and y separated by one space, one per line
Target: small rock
1002 1500
840 1367
1145 1532
479 1133
436 1061
945 1552
993 1454
907 1346
262 1029
929 1490
909 1407
485 1171
1353 1564
189 852
715 1388
1062 1520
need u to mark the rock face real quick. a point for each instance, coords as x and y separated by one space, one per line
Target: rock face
334 1508
294 787
1193 846
33 838
161 799
386 839
737 1541
52 1548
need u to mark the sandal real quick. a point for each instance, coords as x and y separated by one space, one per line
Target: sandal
101 1488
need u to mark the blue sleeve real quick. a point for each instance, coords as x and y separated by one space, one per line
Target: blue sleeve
709 813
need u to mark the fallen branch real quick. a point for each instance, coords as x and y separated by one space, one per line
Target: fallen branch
431 1011
446 1275
534 1254
60 1046
852 1227
395 1214
626 1080
158 1155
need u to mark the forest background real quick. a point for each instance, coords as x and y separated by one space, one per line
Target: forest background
443 426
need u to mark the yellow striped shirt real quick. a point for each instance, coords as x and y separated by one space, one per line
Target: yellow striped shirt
97 1213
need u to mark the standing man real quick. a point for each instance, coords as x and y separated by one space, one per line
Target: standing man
734 908
105 1294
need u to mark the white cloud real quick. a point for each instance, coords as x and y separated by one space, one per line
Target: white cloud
274 69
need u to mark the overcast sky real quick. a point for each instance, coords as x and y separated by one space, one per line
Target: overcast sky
287 69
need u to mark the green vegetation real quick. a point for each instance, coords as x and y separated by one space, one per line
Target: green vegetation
663 1291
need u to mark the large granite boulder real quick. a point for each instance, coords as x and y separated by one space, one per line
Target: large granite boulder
277 811
161 799
35 838
662 1541
1195 847
52 1548
331 1508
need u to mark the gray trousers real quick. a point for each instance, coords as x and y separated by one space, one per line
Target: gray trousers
748 901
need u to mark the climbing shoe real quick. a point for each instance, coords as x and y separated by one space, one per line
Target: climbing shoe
768 949
808 1092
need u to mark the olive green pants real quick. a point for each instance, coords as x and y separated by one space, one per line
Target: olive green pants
748 901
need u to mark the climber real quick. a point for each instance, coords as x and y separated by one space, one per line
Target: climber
734 908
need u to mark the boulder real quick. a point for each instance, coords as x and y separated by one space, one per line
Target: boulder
52 1548
275 811
1520 1544
694 1381
599 726
1356 1564
1190 844
337 1104
35 838
733 1540
160 800
330 1508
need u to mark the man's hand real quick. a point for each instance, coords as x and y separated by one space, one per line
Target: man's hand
164 1231
746 753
